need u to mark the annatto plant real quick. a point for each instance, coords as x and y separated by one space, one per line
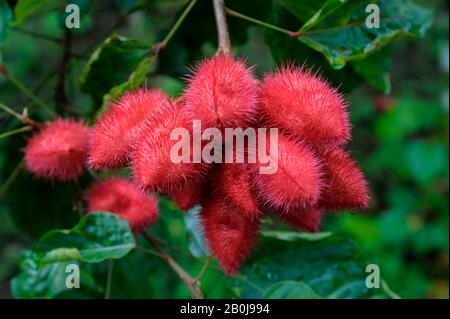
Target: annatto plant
128 155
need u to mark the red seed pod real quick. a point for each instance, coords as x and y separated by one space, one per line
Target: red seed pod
344 183
114 133
296 182
154 166
121 197
189 194
304 105
230 234
59 150
307 219
235 182
221 93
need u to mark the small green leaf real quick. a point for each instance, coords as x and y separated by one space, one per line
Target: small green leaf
327 8
116 61
290 290
196 240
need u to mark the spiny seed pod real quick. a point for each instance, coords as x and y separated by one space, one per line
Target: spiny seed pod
114 133
231 235
121 197
304 105
59 150
296 182
306 219
344 183
152 165
189 194
234 181
221 93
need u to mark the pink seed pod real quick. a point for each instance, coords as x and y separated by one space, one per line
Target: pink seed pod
305 106
307 218
119 196
59 150
235 182
297 180
190 194
222 92
344 183
114 133
153 167
230 234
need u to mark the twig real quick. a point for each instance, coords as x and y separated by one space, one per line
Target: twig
10 179
77 199
235 14
222 28
202 271
16 131
161 45
27 92
22 117
191 284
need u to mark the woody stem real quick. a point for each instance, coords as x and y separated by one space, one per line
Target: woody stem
222 27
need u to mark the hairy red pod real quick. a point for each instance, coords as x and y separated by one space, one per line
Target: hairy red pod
152 165
114 133
59 150
189 195
222 92
121 197
230 234
234 181
345 186
307 219
297 181
304 105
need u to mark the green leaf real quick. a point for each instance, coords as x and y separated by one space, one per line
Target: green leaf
350 39
25 8
375 69
37 280
293 236
331 266
5 19
290 290
98 236
116 61
196 240
327 8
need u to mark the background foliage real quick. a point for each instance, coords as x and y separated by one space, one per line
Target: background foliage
398 92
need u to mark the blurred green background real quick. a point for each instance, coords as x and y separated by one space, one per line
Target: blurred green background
400 139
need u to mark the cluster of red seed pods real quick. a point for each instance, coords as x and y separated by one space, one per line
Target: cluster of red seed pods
315 173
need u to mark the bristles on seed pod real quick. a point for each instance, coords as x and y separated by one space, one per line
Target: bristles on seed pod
59 150
114 133
190 194
121 197
153 167
304 105
306 219
222 92
297 180
344 183
230 234
235 182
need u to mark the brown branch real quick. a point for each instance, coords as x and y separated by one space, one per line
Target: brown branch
222 27
192 284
